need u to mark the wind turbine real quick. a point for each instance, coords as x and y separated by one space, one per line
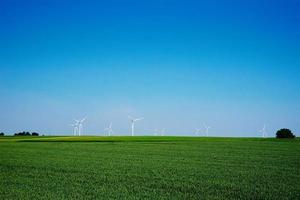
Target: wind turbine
133 120
79 123
197 131
159 132
75 128
162 132
109 130
263 131
206 129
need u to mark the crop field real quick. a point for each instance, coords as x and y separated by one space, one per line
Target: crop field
149 168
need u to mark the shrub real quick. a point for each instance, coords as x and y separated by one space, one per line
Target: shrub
284 133
22 134
35 134
26 133
17 134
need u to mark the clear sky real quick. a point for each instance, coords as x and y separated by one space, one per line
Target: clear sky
231 64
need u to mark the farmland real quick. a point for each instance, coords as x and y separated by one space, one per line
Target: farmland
149 168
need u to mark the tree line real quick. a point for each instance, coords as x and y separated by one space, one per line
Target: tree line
24 133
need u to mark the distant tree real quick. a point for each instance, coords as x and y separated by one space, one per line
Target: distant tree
2 134
284 133
17 134
34 134
23 134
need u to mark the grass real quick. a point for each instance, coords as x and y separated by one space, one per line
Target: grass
149 168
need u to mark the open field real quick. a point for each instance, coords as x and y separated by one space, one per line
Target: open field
149 168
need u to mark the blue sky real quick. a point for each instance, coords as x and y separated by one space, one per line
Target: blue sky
231 64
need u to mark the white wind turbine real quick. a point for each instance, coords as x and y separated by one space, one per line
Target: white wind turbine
133 120
79 123
206 129
263 131
109 130
75 128
197 131
162 132
156 132
159 132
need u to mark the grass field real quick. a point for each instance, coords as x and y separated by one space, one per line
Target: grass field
149 168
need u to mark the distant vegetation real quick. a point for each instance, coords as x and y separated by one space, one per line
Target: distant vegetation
2 134
284 133
24 133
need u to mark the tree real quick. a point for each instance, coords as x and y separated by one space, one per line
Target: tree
17 134
2 134
284 133
34 134
23 134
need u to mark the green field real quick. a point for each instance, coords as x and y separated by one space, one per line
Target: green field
149 168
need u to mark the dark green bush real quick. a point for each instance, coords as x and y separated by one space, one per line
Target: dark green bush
26 133
35 134
22 134
284 133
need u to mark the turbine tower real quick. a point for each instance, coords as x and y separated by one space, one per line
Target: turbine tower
133 120
162 132
75 128
156 132
109 130
79 123
263 131
206 129
197 131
